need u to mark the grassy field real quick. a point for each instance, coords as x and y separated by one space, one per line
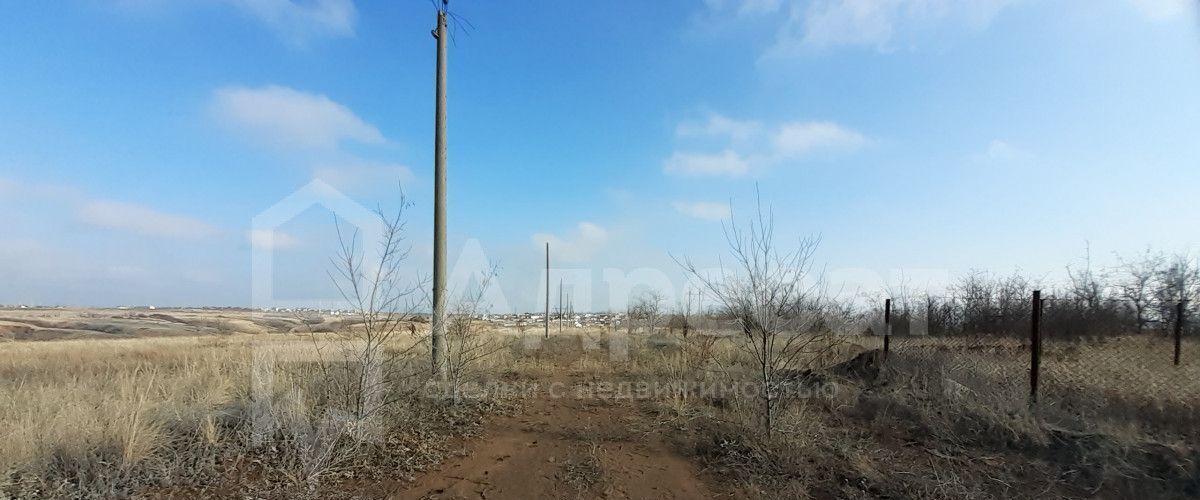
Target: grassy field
174 411
69 324
174 414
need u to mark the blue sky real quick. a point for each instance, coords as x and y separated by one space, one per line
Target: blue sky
140 138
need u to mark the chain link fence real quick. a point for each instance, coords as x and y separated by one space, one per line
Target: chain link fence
1075 364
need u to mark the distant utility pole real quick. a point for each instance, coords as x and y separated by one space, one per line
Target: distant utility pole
547 319
560 309
439 203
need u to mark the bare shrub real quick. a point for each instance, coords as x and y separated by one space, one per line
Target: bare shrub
646 308
1178 280
1136 284
382 302
989 305
357 372
772 298
467 343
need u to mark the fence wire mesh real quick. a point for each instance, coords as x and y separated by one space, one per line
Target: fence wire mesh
1101 363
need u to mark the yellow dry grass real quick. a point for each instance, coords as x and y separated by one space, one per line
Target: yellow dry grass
123 400
75 399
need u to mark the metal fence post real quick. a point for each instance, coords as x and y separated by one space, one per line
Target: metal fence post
1035 345
887 326
1178 330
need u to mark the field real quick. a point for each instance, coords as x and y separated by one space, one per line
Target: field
167 404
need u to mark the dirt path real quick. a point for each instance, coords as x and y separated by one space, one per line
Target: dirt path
561 446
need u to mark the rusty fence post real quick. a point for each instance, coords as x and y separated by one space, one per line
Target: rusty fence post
1035 345
887 326
1178 331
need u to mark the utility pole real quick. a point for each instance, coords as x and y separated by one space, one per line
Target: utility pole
887 326
1179 310
687 313
547 319
560 309
1035 346
439 203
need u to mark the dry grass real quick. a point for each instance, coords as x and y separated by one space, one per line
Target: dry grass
70 400
109 418
117 418
939 421
107 324
583 470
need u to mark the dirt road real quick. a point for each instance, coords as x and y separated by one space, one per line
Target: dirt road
562 446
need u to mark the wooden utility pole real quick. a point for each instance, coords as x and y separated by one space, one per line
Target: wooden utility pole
546 323
1179 310
438 329
887 326
1035 345
687 313
560 309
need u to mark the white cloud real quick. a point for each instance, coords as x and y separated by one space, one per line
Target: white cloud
298 21
13 189
717 126
873 23
797 139
619 196
290 118
1001 151
104 213
1163 10
294 21
747 146
703 210
727 163
265 238
834 22
142 220
579 246
744 7
877 22
355 174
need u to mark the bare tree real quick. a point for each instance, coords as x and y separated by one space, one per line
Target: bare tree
466 341
1136 283
373 357
646 307
360 363
682 317
771 295
1178 280
630 314
907 318
690 308
1085 284
986 304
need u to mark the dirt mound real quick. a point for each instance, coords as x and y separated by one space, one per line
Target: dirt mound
863 367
